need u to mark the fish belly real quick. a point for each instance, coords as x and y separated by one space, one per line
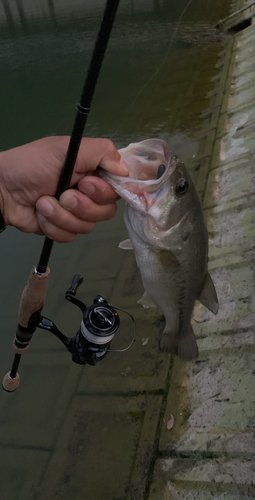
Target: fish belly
173 284
171 288
169 285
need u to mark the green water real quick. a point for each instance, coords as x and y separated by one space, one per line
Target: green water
154 81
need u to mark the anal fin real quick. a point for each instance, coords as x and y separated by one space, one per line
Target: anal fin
208 296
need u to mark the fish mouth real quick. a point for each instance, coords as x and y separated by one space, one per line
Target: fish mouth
149 163
148 160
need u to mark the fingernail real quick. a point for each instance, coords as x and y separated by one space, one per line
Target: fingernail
40 217
88 188
44 207
70 203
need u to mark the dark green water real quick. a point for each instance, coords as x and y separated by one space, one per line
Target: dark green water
45 50
154 82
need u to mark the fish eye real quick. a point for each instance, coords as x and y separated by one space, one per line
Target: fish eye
182 186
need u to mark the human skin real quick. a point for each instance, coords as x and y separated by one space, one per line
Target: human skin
29 177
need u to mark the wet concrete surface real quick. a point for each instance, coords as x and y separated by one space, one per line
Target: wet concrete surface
210 452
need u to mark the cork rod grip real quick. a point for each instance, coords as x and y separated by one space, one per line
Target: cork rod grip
33 296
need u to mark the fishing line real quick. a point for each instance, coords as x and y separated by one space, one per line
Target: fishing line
157 70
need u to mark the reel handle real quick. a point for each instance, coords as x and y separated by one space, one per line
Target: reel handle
71 292
76 282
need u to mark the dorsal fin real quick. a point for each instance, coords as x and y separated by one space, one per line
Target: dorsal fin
208 296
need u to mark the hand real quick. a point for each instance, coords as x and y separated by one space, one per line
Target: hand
29 177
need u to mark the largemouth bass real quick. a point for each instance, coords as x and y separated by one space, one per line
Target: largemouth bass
166 227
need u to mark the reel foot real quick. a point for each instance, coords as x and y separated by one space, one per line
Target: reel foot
10 384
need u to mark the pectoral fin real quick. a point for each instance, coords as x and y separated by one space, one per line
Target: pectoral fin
208 296
146 301
126 245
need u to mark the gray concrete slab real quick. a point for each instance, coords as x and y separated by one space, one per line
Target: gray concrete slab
229 183
204 480
209 453
93 450
17 466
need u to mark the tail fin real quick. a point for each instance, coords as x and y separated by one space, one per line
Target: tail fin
184 346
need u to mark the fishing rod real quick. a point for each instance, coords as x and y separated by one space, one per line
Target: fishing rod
100 321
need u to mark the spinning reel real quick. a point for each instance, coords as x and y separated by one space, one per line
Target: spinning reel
98 327
91 343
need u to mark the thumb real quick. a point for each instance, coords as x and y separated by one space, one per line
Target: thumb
100 152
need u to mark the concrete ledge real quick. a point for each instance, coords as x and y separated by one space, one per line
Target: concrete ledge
209 453
203 480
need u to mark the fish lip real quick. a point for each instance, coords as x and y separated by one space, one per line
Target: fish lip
154 185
